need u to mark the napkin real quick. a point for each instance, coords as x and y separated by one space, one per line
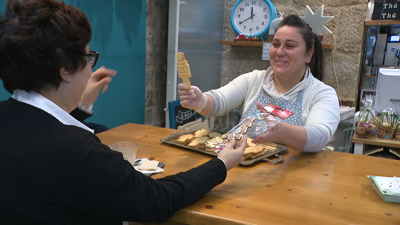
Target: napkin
148 172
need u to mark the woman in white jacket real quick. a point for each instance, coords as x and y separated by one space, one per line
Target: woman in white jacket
293 82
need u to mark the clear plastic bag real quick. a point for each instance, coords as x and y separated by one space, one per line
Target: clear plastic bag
385 123
254 125
393 124
397 132
368 125
396 127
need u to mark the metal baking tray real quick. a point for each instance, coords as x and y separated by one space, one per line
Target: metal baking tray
278 149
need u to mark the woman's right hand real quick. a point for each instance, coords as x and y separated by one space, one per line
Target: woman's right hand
99 80
192 98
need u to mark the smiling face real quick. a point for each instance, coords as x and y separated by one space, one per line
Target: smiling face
288 54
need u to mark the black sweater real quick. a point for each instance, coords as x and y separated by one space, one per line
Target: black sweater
51 173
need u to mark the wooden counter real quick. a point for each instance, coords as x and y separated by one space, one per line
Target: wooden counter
308 188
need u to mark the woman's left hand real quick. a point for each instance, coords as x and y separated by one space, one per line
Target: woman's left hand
291 135
273 132
271 136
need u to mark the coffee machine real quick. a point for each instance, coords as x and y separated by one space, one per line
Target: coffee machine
392 54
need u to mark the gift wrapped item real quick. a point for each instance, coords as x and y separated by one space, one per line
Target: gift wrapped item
397 133
385 124
394 123
368 122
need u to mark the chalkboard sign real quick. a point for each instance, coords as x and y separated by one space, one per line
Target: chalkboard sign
179 115
386 10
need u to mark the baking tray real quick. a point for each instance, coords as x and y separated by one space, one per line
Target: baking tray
278 149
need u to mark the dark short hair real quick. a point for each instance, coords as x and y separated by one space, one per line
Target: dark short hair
37 38
312 42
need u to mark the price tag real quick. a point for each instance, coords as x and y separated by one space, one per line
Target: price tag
277 111
265 51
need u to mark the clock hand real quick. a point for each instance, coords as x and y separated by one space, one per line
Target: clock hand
251 14
251 17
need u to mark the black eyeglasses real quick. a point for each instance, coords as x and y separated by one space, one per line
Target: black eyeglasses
92 56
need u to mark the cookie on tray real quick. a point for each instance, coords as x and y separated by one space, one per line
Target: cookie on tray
198 142
214 134
252 151
201 133
184 139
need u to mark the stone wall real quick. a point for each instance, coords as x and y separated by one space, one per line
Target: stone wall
341 63
156 61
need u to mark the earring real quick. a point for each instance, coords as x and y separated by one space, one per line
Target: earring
69 79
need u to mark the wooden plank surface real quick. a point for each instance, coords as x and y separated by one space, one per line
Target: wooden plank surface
308 188
382 22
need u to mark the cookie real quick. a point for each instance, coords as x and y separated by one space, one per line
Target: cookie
250 151
214 144
216 140
250 143
183 69
184 139
258 155
201 133
198 142
214 134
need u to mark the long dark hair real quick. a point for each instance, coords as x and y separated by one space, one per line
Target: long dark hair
312 41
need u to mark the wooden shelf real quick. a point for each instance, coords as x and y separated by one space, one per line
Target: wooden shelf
379 142
382 22
243 43
260 44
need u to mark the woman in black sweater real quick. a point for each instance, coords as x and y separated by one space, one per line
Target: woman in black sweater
53 169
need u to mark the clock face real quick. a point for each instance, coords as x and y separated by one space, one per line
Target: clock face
252 17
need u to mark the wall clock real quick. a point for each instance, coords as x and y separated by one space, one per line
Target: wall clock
253 17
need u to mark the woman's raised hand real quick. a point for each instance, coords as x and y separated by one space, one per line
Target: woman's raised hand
192 98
